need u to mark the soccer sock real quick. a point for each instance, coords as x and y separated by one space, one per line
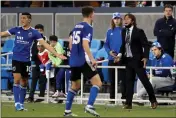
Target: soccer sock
16 92
69 100
93 94
22 94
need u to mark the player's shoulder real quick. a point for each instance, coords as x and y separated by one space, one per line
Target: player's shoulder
86 25
81 25
166 56
110 29
17 27
34 30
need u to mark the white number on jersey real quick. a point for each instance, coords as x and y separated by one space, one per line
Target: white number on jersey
76 37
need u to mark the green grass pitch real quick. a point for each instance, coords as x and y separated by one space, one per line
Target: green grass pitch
56 110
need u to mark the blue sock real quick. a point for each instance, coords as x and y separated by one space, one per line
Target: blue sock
22 94
93 94
16 93
70 97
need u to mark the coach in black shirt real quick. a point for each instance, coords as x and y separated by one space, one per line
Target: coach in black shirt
165 30
36 75
134 41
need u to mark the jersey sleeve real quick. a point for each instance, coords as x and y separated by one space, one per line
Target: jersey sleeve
87 32
38 36
12 31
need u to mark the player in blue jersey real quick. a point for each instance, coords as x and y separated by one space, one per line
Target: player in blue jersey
24 37
160 77
82 61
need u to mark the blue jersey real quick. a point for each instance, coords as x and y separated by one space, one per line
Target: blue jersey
164 61
81 31
113 41
23 42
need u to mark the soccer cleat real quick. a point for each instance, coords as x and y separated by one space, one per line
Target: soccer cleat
127 107
154 105
22 108
30 100
91 111
69 114
39 100
58 94
18 107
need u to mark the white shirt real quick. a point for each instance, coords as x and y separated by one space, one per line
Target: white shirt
130 31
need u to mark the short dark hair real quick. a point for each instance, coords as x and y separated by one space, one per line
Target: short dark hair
53 38
86 11
39 26
132 17
27 14
168 6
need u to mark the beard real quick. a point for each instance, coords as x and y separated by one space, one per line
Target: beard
128 26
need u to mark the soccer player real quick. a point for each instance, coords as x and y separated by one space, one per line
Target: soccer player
25 35
82 61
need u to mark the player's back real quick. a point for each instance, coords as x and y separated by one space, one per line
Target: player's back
81 31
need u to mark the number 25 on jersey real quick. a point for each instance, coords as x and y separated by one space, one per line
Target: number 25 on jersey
76 37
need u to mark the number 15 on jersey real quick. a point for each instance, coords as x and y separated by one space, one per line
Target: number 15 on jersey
76 37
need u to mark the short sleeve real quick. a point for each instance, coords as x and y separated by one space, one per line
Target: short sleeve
38 36
87 32
12 31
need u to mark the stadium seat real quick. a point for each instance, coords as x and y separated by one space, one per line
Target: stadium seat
4 84
8 46
61 41
37 87
29 83
95 46
3 60
102 53
4 75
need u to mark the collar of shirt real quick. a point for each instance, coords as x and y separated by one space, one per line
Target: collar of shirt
131 28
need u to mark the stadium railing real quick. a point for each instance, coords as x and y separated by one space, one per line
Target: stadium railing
7 56
81 98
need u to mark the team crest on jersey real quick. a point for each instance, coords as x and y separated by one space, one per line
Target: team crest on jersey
14 68
89 35
30 34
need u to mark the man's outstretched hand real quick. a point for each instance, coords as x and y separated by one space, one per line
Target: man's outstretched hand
61 56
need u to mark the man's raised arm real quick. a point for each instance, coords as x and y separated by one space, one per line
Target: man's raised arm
4 34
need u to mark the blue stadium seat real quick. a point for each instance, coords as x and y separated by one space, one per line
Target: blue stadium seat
61 41
103 53
95 46
37 87
4 84
3 60
8 46
29 83
4 75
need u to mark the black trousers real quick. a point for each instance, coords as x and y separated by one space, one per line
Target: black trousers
121 79
37 76
134 67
